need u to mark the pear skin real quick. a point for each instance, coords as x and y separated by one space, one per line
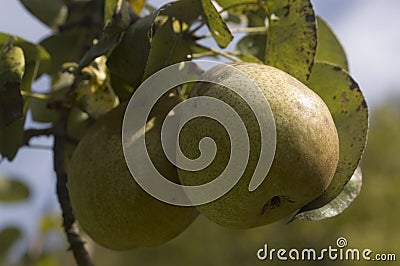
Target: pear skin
109 205
306 155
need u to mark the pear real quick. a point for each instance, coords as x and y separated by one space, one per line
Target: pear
109 205
306 156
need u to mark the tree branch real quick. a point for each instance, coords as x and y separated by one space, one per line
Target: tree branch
77 246
33 132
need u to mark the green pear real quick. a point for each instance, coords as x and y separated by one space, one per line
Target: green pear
109 205
306 156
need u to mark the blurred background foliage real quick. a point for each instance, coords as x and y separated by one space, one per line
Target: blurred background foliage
370 222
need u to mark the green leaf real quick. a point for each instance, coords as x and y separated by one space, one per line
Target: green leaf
11 136
137 5
239 7
51 12
234 19
40 112
12 190
104 45
11 139
292 37
216 24
66 46
11 106
123 90
257 17
118 23
253 45
329 48
109 7
117 20
350 113
248 58
167 48
32 52
192 10
31 72
338 204
233 3
201 51
7 238
78 123
12 67
83 13
39 106
128 59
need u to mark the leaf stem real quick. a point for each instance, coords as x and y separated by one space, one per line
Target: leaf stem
199 55
250 30
260 29
213 51
39 96
39 147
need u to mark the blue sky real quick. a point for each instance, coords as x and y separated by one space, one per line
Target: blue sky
370 33
368 29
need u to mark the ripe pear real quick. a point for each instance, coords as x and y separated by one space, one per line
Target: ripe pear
306 156
109 205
